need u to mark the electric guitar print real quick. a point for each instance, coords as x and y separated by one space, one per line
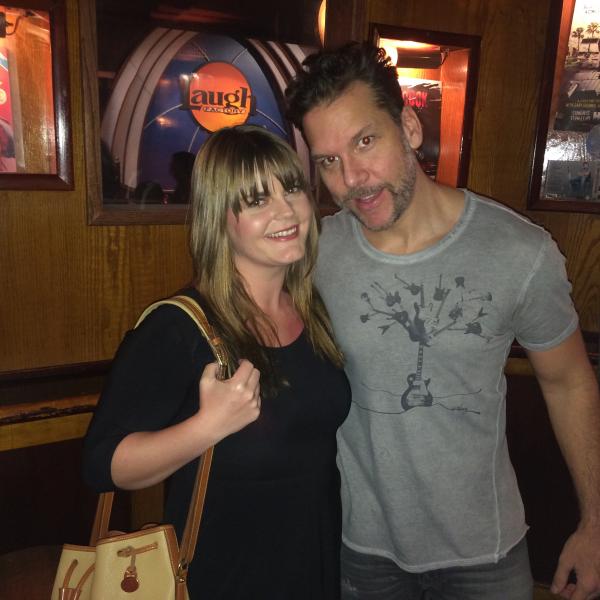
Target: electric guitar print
417 393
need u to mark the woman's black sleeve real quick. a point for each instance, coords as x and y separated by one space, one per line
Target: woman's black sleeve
152 384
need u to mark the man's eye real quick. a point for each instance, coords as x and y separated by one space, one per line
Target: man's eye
365 141
327 161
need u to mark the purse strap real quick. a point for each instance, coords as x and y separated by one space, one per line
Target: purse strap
190 532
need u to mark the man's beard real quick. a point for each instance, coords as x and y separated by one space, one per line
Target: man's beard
401 195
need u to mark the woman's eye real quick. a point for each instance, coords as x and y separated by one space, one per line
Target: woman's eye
256 201
294 189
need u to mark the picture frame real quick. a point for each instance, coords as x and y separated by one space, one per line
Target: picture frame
446 64
98 212
35 142
565 172
147 87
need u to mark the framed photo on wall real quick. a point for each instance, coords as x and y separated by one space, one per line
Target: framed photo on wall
35 139
159 81
566 165
437 72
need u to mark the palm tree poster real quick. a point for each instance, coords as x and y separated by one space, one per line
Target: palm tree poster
579 96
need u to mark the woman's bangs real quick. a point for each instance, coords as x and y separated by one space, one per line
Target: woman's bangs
287 169
254 175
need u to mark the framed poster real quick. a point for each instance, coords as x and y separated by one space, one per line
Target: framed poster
35 138
566 164
157 83
437 72
425 97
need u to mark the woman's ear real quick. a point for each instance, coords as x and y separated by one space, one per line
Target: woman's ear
412 127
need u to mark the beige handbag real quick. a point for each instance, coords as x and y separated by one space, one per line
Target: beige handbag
147 564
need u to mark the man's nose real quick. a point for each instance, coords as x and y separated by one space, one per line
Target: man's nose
354 172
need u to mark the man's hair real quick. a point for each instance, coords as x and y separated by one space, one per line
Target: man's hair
327 74
233 167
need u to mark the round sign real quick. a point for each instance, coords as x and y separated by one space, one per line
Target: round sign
219 95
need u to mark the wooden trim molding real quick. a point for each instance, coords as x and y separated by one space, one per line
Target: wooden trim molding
36 411
48 431
56 417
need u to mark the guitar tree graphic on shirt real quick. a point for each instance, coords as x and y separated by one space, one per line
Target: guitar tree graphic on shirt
425 317
417 393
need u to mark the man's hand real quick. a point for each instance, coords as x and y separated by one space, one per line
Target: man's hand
573 400
580 554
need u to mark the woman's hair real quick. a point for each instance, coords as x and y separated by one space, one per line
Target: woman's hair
233 165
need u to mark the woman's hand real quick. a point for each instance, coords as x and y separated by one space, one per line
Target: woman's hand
229 405
144 458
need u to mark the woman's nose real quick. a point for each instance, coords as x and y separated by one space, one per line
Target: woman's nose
283 205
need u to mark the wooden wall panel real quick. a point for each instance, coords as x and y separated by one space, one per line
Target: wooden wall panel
578 235
513 42
68 291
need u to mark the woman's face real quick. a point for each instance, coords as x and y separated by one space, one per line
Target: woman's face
270 232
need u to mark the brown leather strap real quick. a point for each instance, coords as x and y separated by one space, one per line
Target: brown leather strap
193 310
190 533
102 518
192 525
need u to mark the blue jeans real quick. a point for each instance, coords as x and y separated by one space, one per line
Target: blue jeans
370 577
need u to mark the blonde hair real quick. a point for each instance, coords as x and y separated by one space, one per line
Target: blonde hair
233 165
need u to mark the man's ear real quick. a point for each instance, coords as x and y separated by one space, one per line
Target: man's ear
412 127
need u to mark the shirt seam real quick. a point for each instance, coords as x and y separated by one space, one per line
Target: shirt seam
534 268
422 568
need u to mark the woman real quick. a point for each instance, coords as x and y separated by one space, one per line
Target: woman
271 524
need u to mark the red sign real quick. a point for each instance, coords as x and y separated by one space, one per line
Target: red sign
218 95
8 163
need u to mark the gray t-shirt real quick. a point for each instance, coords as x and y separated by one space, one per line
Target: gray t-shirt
426 475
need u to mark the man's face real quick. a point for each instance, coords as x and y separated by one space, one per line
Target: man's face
364 157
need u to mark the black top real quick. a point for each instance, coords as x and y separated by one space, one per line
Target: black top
271 522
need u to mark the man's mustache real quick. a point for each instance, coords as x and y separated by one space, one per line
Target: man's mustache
361 192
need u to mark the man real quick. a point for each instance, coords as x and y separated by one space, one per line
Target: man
427 287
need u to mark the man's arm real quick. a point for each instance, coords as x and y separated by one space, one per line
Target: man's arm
571 393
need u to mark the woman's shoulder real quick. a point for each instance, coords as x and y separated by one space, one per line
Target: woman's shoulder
169 326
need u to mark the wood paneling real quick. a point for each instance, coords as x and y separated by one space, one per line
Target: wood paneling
512 52
46 431
46 502
345 21
68 291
